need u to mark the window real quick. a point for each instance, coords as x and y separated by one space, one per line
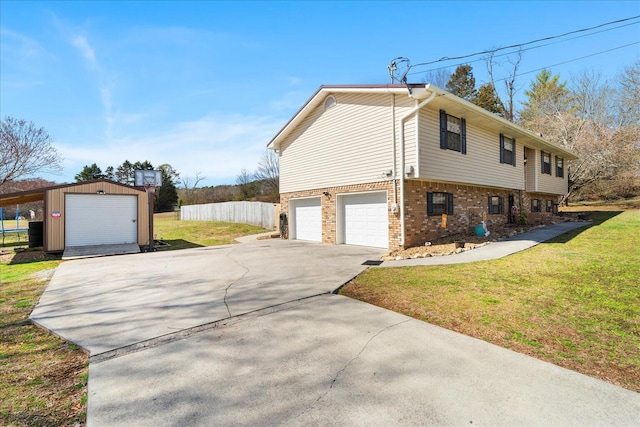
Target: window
546 163
453 133
559 167
439 203
535 205
496 205
507 150
548 204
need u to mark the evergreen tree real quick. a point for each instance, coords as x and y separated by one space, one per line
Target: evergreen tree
462 83
167 195
90 173
124 173
488 99
546 96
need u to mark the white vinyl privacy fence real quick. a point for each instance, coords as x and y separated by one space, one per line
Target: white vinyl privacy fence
254 213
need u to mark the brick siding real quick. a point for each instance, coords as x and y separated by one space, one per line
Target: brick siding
470 203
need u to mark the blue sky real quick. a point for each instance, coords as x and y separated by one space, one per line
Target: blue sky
205 85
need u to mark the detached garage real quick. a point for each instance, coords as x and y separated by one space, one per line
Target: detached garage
91 213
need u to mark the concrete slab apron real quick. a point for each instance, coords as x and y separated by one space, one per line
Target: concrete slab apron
107 303
330 360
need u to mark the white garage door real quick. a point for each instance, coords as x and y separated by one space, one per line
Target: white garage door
100 219
366 220
308 219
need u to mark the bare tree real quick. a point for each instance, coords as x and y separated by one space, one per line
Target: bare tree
246 185
189 186
510 89
438 77
269 173
582 118
25 149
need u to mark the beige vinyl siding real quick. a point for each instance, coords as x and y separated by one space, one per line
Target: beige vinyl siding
350 143
410 152
532 170
538 182
55 202
480 166
551 184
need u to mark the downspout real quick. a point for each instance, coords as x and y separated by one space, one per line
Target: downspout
402 121
395 171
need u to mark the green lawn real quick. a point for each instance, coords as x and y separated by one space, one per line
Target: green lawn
190 234
573 301
42 377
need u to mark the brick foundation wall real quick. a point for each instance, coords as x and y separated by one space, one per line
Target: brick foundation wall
470 203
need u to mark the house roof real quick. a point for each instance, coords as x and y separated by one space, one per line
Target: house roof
37 194
443 100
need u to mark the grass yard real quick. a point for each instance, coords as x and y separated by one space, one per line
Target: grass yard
192 234
573 301
43 379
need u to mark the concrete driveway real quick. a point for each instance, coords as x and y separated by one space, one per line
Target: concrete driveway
106 303
170 345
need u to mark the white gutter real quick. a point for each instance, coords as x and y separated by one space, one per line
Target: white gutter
402 121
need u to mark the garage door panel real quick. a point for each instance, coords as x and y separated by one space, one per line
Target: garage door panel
100 219
308 219
366 221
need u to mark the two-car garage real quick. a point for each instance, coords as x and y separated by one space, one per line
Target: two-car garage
361 219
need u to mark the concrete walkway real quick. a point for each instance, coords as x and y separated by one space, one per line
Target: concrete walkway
495 250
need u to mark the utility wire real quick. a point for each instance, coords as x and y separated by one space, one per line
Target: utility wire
572 60
522 50
446 58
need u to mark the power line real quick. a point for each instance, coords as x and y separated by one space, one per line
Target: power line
523 50
524 44
572 60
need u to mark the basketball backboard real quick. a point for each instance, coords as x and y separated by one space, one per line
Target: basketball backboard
148 178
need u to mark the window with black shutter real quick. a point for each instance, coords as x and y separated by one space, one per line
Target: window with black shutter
453 133
439 203
507 150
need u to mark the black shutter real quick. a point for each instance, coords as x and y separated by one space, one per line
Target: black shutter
489 205
449 204
429 203
463 136
541 161
501 204
501 148
513 158
443 129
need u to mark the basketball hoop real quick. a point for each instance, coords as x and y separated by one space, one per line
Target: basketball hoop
149 179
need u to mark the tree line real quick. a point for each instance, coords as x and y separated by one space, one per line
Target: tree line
261 185
166 197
